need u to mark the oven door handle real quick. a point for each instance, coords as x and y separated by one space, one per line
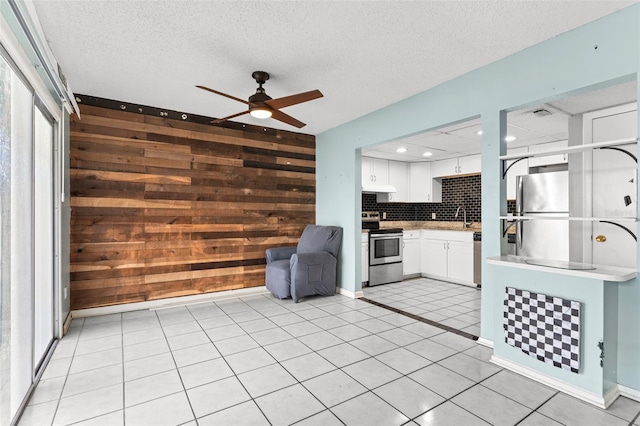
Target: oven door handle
384 236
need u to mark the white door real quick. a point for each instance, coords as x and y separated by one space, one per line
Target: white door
433 257
43 242
460 261
614 178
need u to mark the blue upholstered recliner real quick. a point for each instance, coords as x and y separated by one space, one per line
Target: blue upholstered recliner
308 269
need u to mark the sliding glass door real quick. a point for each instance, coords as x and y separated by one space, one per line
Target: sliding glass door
44 139
27 140
17 236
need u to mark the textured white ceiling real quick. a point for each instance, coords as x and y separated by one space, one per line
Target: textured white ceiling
363 55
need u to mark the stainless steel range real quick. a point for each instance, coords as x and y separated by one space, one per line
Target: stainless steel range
385 251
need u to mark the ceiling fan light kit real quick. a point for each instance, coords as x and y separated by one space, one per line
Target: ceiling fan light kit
260 105
260 113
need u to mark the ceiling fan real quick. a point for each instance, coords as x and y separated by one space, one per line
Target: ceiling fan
262 105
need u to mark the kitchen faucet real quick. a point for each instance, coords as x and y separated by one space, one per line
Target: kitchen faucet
464 212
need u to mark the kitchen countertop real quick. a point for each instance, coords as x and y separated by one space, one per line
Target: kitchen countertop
410 225
599 272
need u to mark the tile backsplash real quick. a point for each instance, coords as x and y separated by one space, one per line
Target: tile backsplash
456 191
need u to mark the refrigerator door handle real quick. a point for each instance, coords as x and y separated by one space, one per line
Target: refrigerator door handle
519 236
519 212
519 195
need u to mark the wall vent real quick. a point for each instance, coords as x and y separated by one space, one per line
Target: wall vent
541 112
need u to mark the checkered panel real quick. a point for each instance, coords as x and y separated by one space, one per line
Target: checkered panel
544 327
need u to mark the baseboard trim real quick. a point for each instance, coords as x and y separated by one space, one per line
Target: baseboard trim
629 392
611 395
599 401
349 293
170 302
66 324
485 342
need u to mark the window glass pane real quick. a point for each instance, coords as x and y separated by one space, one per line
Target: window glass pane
5 223
387 248
43 233
16 112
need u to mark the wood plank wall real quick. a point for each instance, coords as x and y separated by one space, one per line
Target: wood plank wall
164 208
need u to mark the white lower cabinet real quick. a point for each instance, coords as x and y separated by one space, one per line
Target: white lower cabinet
447 255
460 261
411 253
433 258
365 257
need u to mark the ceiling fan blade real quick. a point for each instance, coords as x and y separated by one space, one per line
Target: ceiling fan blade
294 99
285 118
223 94
220 120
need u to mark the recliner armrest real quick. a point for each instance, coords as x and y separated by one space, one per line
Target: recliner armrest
313 258
279 253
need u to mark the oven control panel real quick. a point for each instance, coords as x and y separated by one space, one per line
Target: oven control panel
371 216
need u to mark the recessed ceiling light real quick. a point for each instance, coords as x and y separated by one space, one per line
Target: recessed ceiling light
427 154
479 132
510 138
401 150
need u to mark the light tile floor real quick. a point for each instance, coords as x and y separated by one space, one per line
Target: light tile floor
454 305
261 361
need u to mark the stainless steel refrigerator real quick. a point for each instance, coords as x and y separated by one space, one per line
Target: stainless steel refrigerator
543 195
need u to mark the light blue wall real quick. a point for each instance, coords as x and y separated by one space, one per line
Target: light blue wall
592 322
567 64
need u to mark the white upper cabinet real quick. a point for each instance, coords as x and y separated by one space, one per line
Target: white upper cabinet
398 178
444 168
469 164
549 159
520 168
367 177
375 171
422 188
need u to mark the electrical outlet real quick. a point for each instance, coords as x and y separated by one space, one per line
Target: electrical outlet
433 215
65 293
384 215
